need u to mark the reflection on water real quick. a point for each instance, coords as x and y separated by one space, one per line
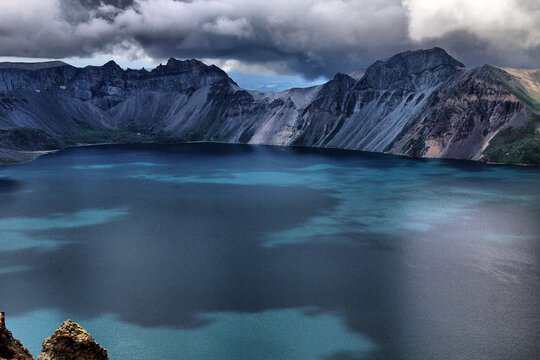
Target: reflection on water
251 252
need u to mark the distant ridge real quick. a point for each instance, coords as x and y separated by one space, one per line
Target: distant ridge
421 103
31 65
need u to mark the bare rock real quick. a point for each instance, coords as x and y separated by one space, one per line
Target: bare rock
11 348
71 342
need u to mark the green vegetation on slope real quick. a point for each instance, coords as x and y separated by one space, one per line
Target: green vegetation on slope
127 136
516 88
516 145
246 135
96 136
28 139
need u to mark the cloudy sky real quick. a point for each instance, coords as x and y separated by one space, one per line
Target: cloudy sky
269 42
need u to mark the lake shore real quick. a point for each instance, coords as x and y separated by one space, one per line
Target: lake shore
9 157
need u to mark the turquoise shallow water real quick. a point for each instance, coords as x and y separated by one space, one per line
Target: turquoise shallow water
208 251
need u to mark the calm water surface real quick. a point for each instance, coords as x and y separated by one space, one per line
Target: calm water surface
211 252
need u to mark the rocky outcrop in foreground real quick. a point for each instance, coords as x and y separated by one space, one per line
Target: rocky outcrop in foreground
11 348
69 342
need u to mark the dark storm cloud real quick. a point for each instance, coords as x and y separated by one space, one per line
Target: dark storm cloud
474 50
78 11
308 37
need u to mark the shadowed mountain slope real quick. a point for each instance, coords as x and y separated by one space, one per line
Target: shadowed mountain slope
420 103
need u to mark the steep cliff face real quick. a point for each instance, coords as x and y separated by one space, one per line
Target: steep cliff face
11 348
390 95
417 103
463 116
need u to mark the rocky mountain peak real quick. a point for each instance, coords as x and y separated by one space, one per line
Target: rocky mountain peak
340 77
194 72
398 102
490 73
403 67
340 81
71 341
174 66
111 65
423 59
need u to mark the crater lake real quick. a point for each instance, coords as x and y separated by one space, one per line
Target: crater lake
222 252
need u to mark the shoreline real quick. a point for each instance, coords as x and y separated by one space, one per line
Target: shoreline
12 157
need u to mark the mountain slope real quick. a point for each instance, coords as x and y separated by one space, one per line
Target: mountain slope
463 116
420 103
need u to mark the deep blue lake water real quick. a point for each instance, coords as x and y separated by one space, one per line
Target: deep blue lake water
222 252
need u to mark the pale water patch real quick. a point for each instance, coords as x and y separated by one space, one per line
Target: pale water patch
13 269
498 173
320 167
287 334
369 200
16 240
494 195
505 238
22 232
112 166
255 178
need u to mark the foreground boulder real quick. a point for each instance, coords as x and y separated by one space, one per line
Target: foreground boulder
11 348
71 342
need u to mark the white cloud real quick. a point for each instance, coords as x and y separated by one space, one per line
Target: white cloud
232 27
496 20
504 32
279 67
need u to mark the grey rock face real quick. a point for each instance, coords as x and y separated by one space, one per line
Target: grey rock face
71 342
463 116
417 103
411 70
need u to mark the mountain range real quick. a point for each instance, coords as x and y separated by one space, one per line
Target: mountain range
421 103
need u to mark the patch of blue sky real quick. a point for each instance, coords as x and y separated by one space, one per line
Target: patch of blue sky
261 82
285 334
